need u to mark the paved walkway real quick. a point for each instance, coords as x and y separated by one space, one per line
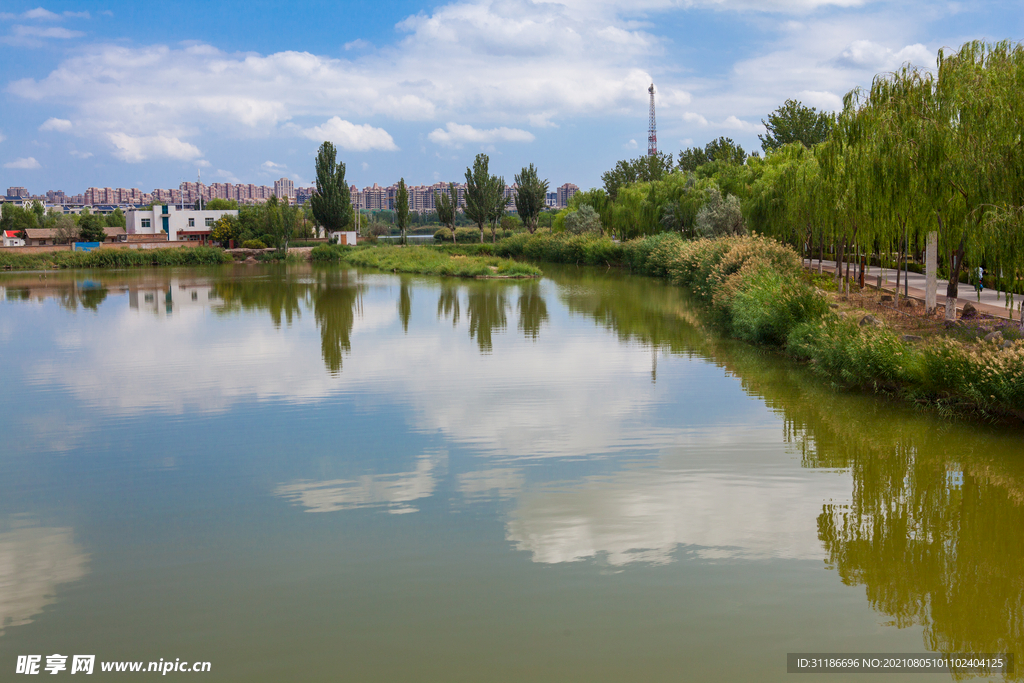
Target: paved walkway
992 302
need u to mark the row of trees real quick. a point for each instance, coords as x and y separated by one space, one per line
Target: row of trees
919 152
84 227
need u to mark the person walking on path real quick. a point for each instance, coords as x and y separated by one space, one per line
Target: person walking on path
980 285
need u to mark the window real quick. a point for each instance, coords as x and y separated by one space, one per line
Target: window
191 222
145 223
209 222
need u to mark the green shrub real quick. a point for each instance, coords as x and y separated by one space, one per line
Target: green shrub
854 355
253 244
768 304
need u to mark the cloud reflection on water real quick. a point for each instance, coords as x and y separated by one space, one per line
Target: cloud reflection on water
34 561
394 491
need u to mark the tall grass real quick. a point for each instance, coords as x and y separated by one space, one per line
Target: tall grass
427 261
115 258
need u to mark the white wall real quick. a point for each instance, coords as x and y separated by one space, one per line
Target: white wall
177 220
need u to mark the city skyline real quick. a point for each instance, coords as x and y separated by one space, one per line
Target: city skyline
370 197
418 89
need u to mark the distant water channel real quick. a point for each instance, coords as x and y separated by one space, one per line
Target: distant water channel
320 474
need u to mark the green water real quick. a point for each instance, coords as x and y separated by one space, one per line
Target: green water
316 474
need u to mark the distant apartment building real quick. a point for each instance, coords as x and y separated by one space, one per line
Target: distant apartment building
302 194
17 192
565 193
284 188
422 198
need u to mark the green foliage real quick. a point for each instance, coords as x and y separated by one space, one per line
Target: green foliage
531 194
17 218
720 217
116 258
652 255
217 204
402 208
478 197
65 230
116 219
793 122
329 252
253 244
723 149
331 202
462 235
584 220
447 203
768 304
641 170
431 261
225 229
90 227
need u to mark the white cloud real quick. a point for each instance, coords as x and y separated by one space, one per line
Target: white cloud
56 124
202 163
350 136
452 65
26 163
134 149
227 176
77 15
455 135
821 100
630 145
40 13
271 166
39 32
358 44
80 155
541 120
2 137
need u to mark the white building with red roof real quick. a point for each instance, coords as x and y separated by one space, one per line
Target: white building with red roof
11 239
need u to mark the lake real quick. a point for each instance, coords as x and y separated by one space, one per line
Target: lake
318 474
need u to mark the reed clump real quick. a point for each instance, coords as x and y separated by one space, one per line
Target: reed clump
115 258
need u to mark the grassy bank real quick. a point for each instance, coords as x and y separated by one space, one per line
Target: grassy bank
757 290
424 260
115 258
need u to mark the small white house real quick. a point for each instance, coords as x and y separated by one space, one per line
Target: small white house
179 225
342 237
11 239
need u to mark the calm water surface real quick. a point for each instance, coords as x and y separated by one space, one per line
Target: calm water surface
320 474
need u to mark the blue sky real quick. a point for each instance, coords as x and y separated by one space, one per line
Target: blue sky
142 94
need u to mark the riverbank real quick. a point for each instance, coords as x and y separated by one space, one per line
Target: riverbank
115 258
422 260
759 292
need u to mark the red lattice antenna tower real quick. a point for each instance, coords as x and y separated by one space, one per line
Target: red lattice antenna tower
652 133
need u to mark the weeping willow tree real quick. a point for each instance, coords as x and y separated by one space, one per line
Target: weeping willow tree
921 150
786 201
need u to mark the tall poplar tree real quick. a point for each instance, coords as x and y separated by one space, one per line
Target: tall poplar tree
478 193
402 207
331 202
447 202
531 196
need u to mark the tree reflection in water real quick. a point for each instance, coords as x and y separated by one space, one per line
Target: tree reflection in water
337 300
405 302
448 302
933 531
533 311
487 305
